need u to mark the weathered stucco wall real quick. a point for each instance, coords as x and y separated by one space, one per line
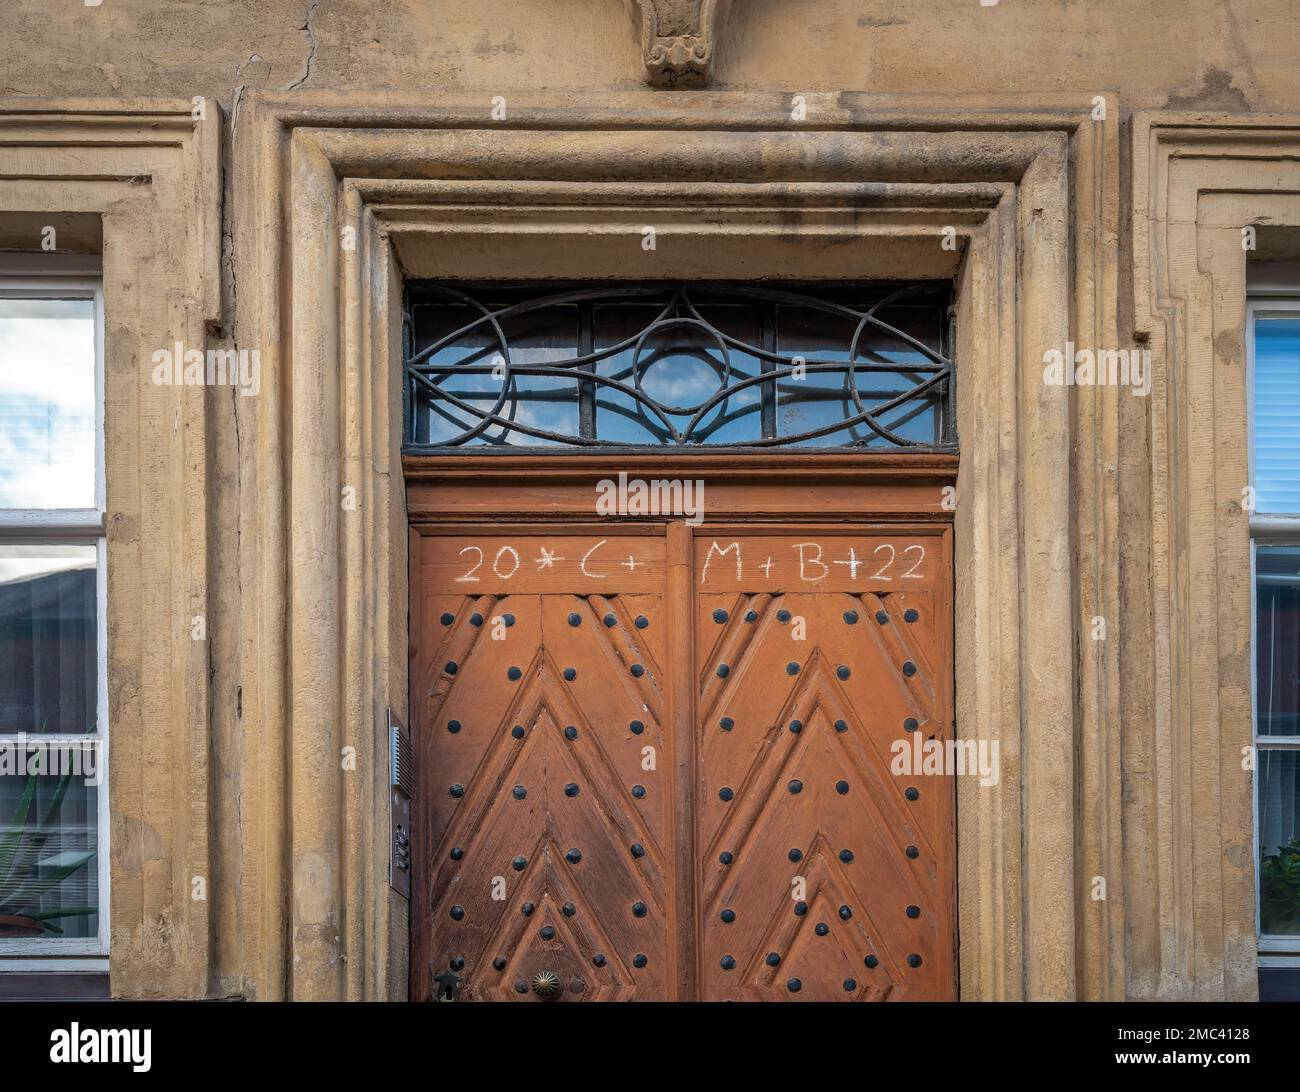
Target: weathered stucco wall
1235 55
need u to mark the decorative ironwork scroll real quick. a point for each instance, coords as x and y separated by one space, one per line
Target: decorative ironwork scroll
629 364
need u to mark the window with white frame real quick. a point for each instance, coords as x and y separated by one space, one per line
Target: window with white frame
1273 326
53 690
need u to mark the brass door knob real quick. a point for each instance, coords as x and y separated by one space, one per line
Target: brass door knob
546 984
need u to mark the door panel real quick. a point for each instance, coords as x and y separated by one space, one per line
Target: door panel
820 877
665 639
539 686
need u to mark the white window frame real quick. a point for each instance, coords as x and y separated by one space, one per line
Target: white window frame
1266 529
72 526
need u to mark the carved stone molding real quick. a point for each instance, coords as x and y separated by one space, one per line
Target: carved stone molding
325 598
678 40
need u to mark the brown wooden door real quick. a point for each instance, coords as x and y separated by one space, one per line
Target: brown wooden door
539 682
822 877
654 762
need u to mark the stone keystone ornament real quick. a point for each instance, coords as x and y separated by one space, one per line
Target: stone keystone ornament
678 40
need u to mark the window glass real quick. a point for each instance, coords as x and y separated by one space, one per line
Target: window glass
1279 842
47 403
1277 414
49 802
1277 713
48 638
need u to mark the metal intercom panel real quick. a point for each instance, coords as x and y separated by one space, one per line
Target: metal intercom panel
401 790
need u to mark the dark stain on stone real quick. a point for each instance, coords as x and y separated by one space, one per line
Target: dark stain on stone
1227 347
1215 93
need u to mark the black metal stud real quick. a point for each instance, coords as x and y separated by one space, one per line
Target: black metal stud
571 789
451 667
726 856
912 852
637 671
575 619
846 912
723 671
638 850
499 964
720 616
796 726
842 672
795 786
725 793
800 909
727 962
841 726
796 855
851 617
638 791
447 619
636 727
508 619
570 674
773 959
598 959
728 915
794 985
519 864
910 615
457 913
914 960
822 929
726 724
457 964
476 619
842 787
610 621
514 674
783 615
573 856
521 986
850 985
568 909
910 724
882 617
570 732
792 668
453 726
846 855
641 621
519 792
547 932
913 911
457 791
457 853
639 960
638 910
527 909
871 962
517 731
909 668
751 616
913 794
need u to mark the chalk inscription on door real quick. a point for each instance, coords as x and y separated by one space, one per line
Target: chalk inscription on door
560 857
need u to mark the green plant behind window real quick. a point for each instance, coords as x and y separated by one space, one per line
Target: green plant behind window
1279 889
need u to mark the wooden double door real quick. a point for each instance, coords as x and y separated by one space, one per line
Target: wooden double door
657 761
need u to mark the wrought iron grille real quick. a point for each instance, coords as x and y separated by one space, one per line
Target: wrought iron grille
649 365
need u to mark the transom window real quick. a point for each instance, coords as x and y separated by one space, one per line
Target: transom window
633 364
